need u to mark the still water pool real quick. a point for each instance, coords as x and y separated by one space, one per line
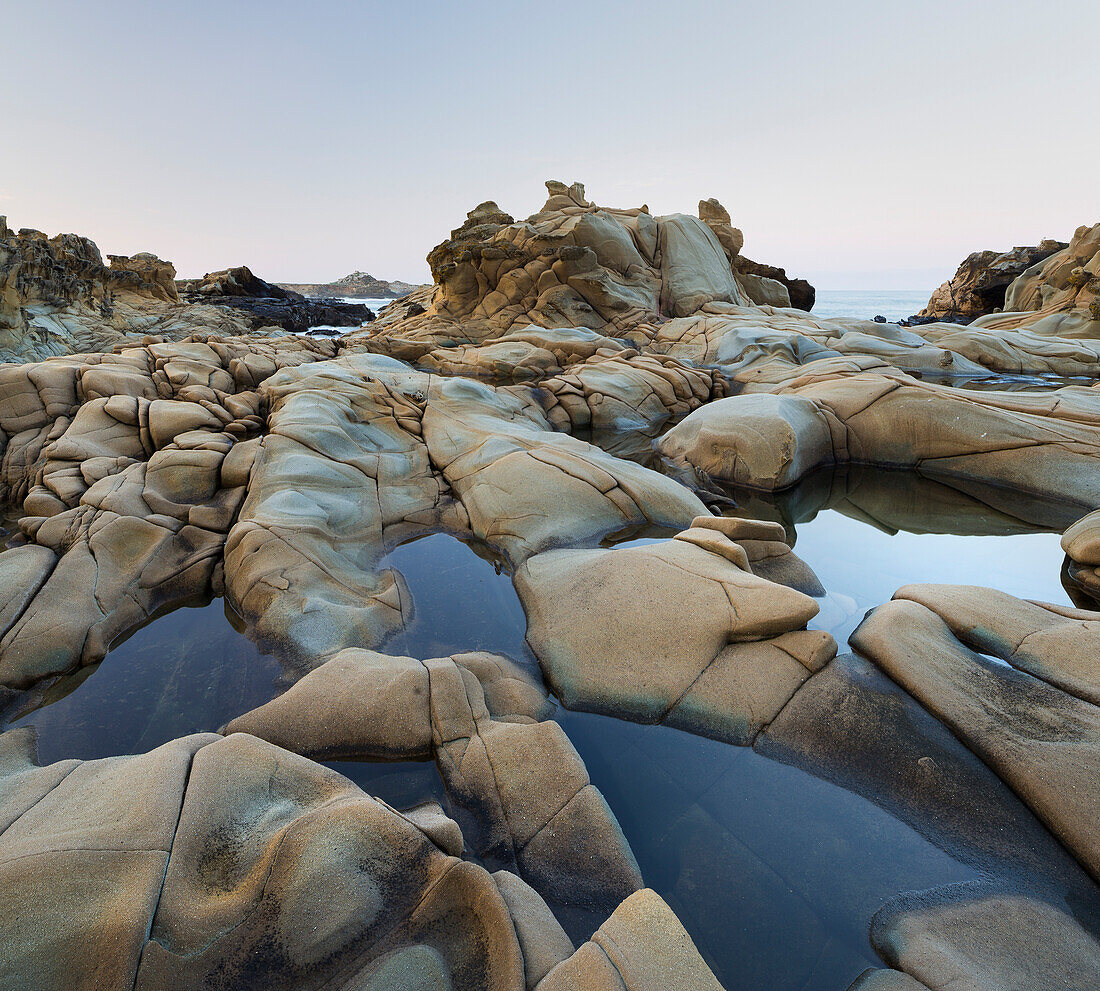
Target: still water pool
188 671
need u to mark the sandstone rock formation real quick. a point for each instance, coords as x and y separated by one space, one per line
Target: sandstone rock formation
1033 443
1081 542
568 398
763 284
1058 296
227 862
982 280
57 297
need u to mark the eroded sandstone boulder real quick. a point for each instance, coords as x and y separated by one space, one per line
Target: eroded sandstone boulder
131 468
678 631
516 784
214 862
1035 443
1032 716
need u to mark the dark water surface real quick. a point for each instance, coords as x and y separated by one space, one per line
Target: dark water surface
187 671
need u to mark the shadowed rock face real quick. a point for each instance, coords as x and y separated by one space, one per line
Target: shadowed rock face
1081 542
270 305
982 280
281 472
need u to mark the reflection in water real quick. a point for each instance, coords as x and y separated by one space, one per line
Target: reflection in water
775 873
462 600
1020 383
400 784
868 531
187 671
10 534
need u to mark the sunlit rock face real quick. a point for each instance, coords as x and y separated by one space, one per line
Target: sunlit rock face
571 404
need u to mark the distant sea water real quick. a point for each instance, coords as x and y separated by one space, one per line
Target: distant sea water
375 305
862 304
866 304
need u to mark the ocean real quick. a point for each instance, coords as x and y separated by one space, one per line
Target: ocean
866 304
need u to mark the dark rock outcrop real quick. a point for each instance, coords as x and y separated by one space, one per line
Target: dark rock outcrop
979 285
803 295
271 305
755 280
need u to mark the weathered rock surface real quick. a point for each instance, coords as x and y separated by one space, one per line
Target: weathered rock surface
1035 443
515 404
1033 719
1081 542
130 468
1058 296
516 784
680 632
214 862
982 280
57 297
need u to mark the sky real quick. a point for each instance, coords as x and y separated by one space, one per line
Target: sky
861 145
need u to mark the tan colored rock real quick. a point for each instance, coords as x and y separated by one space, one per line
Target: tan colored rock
642 947
517 783
1081 542
921 936
670 632
1035 443
1042 741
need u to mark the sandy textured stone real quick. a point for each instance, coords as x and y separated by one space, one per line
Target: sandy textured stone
1035 443
642 947
1044 742
643 633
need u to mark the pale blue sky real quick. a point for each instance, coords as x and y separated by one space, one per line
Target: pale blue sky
860 144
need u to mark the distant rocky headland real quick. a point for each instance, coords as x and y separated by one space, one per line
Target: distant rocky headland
1052 280
357 285
612 421
57 296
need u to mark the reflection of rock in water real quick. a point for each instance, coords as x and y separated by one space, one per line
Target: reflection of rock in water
899 500
187 671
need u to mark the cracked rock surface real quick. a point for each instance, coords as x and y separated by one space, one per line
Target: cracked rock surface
572 398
